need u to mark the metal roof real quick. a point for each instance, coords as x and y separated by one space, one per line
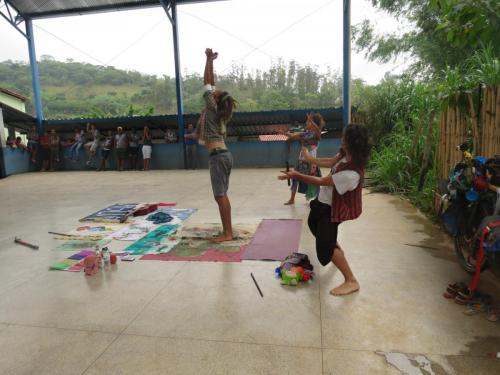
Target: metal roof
54 8
16 118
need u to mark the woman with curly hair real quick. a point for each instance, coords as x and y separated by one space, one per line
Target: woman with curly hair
339 199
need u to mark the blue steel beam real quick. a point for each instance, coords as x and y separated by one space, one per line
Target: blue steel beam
35 77
346 88
6 13
172 6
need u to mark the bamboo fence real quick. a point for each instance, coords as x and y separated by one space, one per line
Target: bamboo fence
455 125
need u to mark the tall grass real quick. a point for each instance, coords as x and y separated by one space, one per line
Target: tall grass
398 112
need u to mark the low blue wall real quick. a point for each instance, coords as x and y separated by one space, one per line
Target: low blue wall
169 156
16 161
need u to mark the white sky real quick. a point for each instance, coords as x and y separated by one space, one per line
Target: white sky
253 33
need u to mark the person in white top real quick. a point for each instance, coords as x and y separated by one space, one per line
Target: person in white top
347 168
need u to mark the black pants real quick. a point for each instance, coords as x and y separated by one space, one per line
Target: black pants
323 229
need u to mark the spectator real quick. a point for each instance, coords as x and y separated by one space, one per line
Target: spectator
146 148
33 143
10 142
54 149
94 144
106 150
121 145
170 136
44 151
191 145
78 143
19 144
133 148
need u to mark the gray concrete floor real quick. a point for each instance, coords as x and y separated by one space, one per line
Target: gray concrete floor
152 317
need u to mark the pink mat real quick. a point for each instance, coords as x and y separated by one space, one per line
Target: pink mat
211 255
274 240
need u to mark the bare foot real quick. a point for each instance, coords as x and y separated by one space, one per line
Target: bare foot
289 203
222 238
346 288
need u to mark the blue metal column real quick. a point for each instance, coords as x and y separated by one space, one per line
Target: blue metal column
346 88
35 78
178 81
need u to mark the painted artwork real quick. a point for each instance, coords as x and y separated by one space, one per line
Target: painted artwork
117 213
73 263
180 213
133 232
161 239
82 245
195 240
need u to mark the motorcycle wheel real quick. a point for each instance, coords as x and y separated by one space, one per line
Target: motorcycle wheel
465 249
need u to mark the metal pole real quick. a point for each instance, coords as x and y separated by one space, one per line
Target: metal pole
346 89
178 81
3 146
35 77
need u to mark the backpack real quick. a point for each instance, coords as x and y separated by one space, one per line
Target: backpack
296 267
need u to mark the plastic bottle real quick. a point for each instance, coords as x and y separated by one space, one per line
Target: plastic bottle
105 256
98 254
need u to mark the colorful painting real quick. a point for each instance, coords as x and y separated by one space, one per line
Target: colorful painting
195 242
81 245
117 213
161 239
73 263
133 232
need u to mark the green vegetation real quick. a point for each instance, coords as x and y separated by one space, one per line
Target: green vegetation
74 89
455 49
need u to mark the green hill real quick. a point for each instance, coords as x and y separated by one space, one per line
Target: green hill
72 89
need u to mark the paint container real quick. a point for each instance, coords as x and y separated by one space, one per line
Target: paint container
112 258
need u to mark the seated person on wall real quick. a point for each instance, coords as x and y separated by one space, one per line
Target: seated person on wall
10 142
78 143
170 136
19 144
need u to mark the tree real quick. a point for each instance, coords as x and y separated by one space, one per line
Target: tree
444 32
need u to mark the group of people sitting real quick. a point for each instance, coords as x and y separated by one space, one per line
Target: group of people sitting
97 147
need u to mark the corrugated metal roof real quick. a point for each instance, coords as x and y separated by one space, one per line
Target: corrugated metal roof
15 118
54 8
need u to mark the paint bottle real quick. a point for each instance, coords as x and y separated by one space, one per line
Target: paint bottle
105 256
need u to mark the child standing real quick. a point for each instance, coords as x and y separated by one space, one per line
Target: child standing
33 140
339 199
44 151
121 145
310 140
147 148
133 149
191 145
106 150
54 149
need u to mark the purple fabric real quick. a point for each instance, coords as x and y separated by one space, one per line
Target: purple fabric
274 240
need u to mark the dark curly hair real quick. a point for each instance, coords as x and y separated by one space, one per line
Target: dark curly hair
225 107
358 143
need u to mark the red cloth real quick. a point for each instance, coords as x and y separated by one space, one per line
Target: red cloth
347 206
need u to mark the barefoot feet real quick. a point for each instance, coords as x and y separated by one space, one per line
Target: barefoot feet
289 203
222 238
346 288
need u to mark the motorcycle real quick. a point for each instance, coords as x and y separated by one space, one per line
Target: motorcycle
470 211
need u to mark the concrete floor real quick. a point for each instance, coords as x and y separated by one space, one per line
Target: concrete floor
152 317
